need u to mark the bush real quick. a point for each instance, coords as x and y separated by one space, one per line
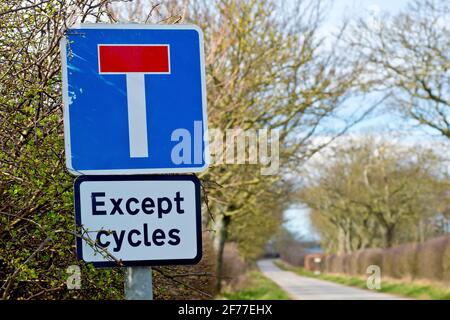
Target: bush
369 257
428 260
446 262
327 263
338 264
346 263
354 262
388 264
234 267
405 257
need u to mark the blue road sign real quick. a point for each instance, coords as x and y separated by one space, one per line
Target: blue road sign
134 99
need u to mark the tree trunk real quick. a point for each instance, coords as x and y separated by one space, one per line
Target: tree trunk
348 237
341 241
390 235
220 239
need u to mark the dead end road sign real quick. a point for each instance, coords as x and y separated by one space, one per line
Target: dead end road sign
134 96
142 220
135 103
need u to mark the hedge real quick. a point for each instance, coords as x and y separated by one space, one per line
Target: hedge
428 260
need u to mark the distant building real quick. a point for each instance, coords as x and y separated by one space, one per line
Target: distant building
313 262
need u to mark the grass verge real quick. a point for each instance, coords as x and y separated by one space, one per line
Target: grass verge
258 288
416 290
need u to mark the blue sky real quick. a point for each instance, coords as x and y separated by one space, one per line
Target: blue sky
296 218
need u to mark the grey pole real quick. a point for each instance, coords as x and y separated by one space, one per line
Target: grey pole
138 283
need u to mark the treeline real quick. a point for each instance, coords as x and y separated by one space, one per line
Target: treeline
371 193
382 199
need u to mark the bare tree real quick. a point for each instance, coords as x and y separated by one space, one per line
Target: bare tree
372 193
267 67
407 56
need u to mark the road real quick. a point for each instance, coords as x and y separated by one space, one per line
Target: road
304 288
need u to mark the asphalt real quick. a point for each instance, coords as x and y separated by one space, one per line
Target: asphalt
304 288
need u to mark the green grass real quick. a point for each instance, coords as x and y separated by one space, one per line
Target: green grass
258 288
416 290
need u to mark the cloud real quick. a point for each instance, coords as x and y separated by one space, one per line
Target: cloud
374 9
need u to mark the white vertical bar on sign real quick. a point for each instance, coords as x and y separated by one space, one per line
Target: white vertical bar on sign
137 115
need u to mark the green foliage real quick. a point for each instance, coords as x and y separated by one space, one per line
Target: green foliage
37 223
36 201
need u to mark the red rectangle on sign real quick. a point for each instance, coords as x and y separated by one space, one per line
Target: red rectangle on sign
134 58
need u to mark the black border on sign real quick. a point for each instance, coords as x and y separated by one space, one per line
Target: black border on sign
79 180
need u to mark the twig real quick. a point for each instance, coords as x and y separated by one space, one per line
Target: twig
182 283
23 8
205 193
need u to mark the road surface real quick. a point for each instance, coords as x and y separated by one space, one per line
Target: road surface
304 288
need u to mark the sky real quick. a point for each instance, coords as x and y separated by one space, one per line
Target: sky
341 8
296 217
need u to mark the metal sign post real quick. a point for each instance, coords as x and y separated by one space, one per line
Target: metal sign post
138 283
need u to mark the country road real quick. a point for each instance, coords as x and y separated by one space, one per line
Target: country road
304 288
